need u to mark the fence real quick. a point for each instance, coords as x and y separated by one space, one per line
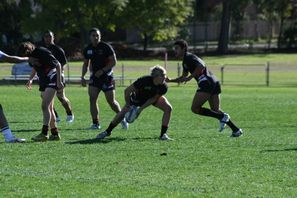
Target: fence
262 74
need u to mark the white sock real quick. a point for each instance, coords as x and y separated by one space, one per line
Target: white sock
7 133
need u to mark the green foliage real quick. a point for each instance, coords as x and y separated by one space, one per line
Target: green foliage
158 20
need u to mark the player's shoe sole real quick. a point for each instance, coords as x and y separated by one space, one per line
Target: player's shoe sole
16 140
95 127
165 137
237 133
40 138
223 122
70 118
102 135
125 124
55 137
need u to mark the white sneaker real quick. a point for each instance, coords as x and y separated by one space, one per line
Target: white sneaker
102 135
15 140
165 137
124 124
70 118
95 127
237 133
58 119
223 122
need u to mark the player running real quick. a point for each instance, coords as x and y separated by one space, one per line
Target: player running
146 91
48 70
209 87
59 54
101 58
4 127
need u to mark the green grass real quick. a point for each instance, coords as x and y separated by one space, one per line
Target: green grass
201 162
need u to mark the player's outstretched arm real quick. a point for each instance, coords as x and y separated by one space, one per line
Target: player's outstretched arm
13 59
180 79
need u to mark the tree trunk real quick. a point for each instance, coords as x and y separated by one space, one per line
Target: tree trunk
280 34
225 27
145 41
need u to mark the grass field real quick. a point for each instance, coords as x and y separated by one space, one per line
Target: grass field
200 162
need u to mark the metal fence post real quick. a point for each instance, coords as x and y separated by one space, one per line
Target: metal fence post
222 74
267 73
178 71
123 75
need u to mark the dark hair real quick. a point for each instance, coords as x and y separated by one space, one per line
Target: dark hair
94 30
47 32
26 48
182 43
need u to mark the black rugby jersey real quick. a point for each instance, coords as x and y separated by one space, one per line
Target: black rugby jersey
47 61
58 53
99 56
146 89
191 62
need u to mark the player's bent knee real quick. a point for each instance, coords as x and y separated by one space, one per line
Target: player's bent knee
196 110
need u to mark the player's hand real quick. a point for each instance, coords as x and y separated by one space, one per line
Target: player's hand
167 79
29 84
83 82
60 85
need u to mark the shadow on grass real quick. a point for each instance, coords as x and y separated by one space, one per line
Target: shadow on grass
25 130
96 141
279 150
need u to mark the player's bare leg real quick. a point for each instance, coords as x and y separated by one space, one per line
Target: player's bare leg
164 105
94 109
214 103
115 106
6 131
66 104
47 99
116 120
54 130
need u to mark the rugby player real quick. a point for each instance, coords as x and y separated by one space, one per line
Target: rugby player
4 127
101 59
59 54
48 70
209 87
146 91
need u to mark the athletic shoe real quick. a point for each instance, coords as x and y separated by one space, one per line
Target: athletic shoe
40 138
165 137
70 118
237 133
95 127
102 135
58 119
55 137
124 124
223 122
15 140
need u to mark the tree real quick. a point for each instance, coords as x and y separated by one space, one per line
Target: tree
225 27
68 17
155 19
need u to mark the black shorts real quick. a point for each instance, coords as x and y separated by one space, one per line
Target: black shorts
209 86
105 84
48 82
136 101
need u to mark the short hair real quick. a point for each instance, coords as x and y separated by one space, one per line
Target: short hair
94 30
158 71
182 43
26 47
48 32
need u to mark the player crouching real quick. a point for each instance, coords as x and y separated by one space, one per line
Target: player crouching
48 70
145 91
